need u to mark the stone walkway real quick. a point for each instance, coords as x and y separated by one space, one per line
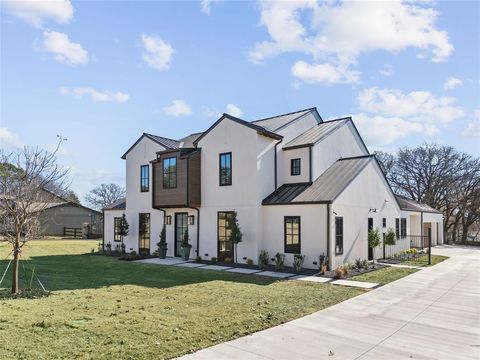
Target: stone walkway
273 274
430 314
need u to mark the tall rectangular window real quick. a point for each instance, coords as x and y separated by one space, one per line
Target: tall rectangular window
384 222
295 167
338 235
225 170
292 234
403 228
144 178
397 228
170 173
144 233
116 229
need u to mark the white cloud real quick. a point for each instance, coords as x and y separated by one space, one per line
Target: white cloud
451 83
234 110
95 95
473 128
206 5
36 12
156 52
416 106
339 32
64 50
324 73
8 138
177 108
387 70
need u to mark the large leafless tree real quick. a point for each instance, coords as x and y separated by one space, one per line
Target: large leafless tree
25 175
104 195
441 177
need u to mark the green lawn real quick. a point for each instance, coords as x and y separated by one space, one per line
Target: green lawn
384 276
101 307
423 260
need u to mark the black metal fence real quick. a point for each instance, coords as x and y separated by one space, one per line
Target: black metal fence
414 248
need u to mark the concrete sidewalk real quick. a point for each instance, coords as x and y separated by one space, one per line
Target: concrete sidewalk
431 314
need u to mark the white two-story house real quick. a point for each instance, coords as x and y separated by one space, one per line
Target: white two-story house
299 185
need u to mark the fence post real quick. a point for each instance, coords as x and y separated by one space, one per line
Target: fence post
64 231
429 250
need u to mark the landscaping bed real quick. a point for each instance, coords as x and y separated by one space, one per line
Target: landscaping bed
352 271
285 269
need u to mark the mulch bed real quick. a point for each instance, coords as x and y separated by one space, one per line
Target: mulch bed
286 269
353 272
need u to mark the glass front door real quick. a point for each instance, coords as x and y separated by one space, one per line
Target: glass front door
181 226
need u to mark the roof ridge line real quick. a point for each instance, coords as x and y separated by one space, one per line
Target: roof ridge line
163 137
357 157
290 113
338 119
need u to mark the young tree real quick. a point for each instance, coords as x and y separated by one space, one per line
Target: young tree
24 176
104 195
373 239
236 235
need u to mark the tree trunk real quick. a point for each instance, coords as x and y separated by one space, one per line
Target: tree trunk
16 255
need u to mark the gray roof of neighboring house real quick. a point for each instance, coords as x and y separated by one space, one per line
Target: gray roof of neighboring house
187 141
326 188
165 142
412 205
316 133
117 205
274 123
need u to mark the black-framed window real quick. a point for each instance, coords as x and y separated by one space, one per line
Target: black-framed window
292 234
295 167
170 173
224 222
403 228
338 235
370 224
384 222
144 232
397 228
144 178
116 229
225 169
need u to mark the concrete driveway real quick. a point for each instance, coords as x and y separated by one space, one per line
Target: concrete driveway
432 314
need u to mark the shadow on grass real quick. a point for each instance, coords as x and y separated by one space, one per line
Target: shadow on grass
71 272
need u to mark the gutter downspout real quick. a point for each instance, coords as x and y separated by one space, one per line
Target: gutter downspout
275 163
329 264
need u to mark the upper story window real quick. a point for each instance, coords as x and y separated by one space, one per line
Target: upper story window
295 165
144 178
292 234
170 173
225 171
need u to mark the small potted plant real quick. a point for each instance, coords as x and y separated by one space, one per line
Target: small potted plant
322 261
162 244
298 260
185 246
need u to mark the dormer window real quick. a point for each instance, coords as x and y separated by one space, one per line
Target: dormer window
295 165
170 173
144 178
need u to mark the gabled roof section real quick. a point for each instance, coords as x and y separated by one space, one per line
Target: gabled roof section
165 142
259 129
326 188
187 141
117 205
277 122
316 133
412 205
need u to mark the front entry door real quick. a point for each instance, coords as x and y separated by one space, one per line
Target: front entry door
181 226
225 246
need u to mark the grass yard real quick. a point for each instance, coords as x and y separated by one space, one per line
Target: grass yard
385 275
104 308
423 260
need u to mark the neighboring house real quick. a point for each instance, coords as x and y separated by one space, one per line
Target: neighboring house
298 184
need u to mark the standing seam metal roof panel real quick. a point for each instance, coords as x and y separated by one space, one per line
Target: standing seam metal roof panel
276 122
316 133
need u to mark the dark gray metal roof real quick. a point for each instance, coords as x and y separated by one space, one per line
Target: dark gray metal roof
276 122
187 141
326 188
117 205
412 205
165 142
316 133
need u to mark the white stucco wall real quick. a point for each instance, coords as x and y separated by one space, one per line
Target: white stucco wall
301 153
109 229
368 191
343 142
313 231
141 202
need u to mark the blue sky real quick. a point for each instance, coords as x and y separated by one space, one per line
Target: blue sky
102 73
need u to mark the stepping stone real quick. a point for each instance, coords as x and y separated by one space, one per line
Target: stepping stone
274 274
317 279
216 267
190 265
352 283
243 271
